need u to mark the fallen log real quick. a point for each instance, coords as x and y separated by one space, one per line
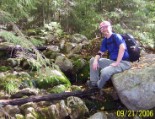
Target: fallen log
10 48
49 97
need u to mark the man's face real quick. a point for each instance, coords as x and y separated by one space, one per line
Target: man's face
105 29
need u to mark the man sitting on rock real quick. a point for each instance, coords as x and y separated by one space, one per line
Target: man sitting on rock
101 69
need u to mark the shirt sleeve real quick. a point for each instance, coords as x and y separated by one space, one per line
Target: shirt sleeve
103 47
119 40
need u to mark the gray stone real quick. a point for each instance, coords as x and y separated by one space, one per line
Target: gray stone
25 92
64 63
77 106
136 86
12 110
78 38
98 115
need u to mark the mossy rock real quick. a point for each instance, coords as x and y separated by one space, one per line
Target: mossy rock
51 79
58 89
75 88
31 32
43 113
78 64
14 61
10 83
4 68
19 116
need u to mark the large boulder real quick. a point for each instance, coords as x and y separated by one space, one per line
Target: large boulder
78 38
52 78
64 63
136 86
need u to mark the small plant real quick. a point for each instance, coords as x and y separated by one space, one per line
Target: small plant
10 83
54 28
11 86
36 42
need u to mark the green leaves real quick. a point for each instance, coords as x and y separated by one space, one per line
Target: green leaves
18 8
10 37
82 16
5 17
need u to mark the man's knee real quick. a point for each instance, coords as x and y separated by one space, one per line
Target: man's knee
106 74
92 60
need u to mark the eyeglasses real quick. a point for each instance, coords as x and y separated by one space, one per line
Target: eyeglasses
103 27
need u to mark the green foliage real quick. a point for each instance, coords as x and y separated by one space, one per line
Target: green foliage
49 78
25 43
58 89
5 17
10 37
54 28
135 17
78 64
4 68
36 42
18 8
9 83
10 86
82 18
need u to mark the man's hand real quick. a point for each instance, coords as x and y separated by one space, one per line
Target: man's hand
95 65
114 64
120 55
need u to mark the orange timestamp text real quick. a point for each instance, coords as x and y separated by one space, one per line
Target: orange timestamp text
133 113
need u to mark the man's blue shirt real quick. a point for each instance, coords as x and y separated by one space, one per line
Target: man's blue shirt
112 46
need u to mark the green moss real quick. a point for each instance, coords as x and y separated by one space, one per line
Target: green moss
37 42
78 64
31 32
76 88
10 83
19 116
52 79
4 68
43 113
58 89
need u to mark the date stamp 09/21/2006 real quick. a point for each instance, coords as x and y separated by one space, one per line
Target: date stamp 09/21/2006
133 113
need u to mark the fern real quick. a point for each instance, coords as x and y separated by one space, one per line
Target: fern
10 37
36 42
25 43
11 86
5 17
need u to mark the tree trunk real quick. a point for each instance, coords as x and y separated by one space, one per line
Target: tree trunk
49 97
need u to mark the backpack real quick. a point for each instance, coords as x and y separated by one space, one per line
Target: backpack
132 47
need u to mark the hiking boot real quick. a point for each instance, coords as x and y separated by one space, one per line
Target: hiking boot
91 85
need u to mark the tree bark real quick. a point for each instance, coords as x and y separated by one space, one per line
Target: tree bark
49 97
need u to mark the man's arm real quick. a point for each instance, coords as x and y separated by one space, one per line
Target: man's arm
120 55
97 57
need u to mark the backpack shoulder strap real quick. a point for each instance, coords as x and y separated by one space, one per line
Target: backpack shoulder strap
113 38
